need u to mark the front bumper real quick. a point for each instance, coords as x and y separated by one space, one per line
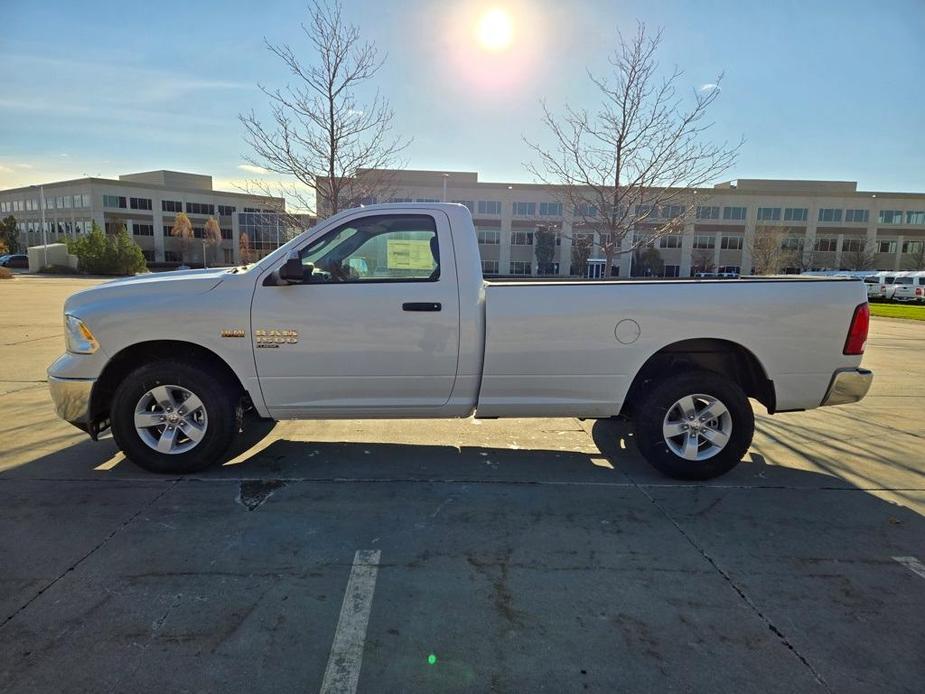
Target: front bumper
848 385
72 399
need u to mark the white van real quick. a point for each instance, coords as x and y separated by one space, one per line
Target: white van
910 286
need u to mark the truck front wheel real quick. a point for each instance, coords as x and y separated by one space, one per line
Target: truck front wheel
172 417
694 426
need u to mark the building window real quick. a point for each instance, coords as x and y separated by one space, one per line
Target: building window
140 203
891 217
392 200
731 243
857 215
707 212
489 267
829 214
912 246
646 211
796 214
524 209
113 201
886 247
737 213
226 234
792 243
547 269
149 256
520 267
167 228
469 204
550 209
670 241
226 210
489 207
368 200
853 245
728 269
143 229
671 271
826 244
489 237
200 208
768 214
427 200
172 257
228 254
585 210
171 206
521 238
917 218
705 241
673 211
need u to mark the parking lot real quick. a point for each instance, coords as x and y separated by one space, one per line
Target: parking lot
517 555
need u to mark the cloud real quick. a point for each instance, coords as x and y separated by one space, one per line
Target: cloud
250 168
709 87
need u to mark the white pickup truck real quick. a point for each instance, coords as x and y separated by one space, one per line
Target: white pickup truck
382 312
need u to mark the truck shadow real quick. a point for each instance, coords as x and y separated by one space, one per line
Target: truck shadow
782 456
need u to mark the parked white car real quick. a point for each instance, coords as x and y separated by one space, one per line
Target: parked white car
170 360
910 286
873 284
888 285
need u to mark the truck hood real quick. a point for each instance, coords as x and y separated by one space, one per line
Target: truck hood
149 285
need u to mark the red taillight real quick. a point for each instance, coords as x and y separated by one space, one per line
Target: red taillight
857 333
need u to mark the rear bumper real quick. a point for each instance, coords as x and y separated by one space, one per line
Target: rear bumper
848 385
72 399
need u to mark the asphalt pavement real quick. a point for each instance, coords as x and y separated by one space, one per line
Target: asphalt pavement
498 555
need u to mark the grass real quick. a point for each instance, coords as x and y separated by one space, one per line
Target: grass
909 311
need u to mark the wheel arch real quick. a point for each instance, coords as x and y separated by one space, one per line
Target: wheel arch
723 357
129 358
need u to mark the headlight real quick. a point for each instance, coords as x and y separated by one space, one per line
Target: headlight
77 336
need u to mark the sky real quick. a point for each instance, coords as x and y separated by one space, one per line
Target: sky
827 89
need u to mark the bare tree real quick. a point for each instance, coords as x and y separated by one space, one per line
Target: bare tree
702 261
772 249
582 246
211 236
318 132
915 258
244 246
637 157
182 230
859 256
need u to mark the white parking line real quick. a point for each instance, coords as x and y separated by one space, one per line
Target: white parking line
343 671
913 564
112 462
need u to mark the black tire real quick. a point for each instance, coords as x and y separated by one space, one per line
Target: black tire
654 406
218 396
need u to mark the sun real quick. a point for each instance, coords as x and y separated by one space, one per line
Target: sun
495 30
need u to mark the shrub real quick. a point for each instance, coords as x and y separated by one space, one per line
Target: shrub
5 273
100 254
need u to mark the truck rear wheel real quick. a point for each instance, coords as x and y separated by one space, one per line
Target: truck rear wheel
172 417
694 426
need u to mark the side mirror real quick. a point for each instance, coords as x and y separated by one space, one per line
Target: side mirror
293 271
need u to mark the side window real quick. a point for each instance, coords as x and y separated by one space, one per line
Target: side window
382 248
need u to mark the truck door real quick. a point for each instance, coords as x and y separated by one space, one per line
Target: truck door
374 327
